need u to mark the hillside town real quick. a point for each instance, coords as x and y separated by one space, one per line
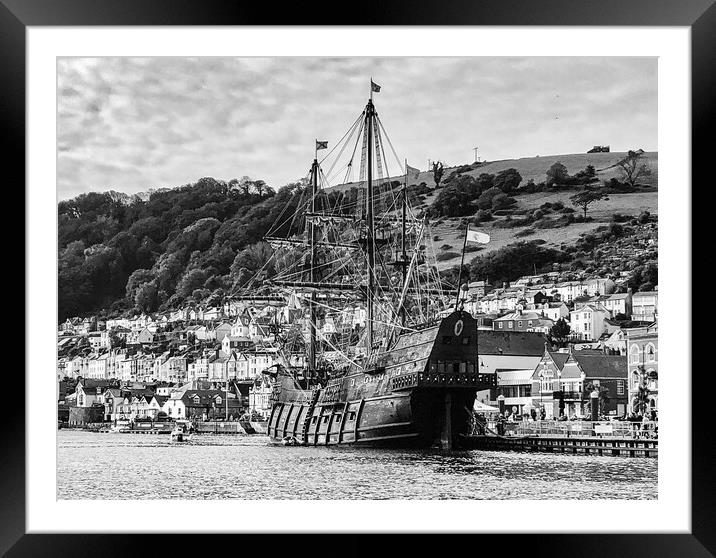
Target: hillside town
550 342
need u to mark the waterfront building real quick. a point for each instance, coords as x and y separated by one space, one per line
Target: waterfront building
595 369
643 368
509 351
201 404
113 400
516 387
89 392
562 382
547 380
645 306
260 398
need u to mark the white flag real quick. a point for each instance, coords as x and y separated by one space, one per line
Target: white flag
477 236
411 172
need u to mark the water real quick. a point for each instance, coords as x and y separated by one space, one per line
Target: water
249 467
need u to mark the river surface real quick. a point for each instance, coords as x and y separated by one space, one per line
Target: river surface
214 466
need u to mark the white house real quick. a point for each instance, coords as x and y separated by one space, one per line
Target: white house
587 322
645 306
619 303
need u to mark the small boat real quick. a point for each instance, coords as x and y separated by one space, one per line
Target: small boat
179 434
120 428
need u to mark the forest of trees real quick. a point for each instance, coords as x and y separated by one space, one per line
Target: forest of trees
118 253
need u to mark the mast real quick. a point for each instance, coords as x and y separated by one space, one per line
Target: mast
370 239
312 272
403 255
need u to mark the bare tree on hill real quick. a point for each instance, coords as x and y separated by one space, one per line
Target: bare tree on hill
633 167
438 172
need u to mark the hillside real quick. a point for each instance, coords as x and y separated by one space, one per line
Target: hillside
197 243
450 231
535 167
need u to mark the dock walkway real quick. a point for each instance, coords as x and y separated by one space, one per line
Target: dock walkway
575 437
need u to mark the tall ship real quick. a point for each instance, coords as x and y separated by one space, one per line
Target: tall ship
373 350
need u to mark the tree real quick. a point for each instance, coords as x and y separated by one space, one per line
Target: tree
641 400
633 167
557 174
451 202
603 399
559 333
585 198
507 180
485 199
438 172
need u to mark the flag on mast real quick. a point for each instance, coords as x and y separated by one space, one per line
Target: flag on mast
374 86
477 236
411 172
321 145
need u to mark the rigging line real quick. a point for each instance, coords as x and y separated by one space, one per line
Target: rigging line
301 202
380 124
360 117
363 155
344 144
339 351
379 322
358 137
285 207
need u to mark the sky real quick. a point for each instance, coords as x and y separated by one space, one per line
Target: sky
131 124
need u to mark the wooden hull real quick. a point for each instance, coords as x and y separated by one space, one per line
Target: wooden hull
413 419
419 393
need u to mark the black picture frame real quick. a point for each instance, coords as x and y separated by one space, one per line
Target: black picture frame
699 15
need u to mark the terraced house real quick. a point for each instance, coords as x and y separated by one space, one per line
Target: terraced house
643 368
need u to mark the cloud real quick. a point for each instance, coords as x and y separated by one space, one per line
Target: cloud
134 123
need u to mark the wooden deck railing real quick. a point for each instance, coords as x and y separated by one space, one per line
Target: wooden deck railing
566 429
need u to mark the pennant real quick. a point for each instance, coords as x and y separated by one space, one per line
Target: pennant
477 236
321 145
411 172
374 87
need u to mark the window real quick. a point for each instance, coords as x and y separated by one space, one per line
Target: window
510 324
519 324
634 354
466 340
500 325
620 387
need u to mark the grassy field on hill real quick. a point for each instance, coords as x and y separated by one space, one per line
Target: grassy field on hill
535 167
448 231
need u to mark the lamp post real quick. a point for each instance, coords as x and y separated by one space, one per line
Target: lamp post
594 404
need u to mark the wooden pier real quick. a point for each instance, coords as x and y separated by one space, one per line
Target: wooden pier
615 438
628 447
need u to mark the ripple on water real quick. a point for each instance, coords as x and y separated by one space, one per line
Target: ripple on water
249 467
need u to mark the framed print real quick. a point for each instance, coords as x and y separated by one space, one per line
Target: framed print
396 275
